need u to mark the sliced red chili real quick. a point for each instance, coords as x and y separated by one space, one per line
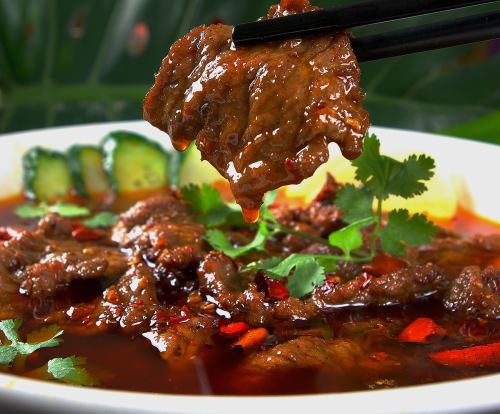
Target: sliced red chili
184 316
252 339
422 330
177 319
277 290
479 356
233 329
6 233
84 233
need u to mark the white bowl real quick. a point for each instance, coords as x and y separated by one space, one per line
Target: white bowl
466 176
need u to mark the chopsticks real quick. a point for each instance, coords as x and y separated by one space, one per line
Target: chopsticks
443 34
428 37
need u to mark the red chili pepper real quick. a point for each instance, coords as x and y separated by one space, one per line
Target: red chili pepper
383 264
252 339
177 319
6 233
233 329
84 233
333 280
277 290
421 330
480 356
185 314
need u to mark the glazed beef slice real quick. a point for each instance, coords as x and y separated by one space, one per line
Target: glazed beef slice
163 230
263 115
48 259
476 293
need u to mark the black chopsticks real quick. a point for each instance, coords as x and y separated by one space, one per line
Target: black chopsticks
432 36
460 31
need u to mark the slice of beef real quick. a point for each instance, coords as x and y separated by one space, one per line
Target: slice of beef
401 287
476 293
48 259
131 305
453 253
131 302
262 115
306 352
163 230
181 341
58 269
218 277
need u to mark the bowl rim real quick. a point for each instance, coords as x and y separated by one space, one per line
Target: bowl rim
458 396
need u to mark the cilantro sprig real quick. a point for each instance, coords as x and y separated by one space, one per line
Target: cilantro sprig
16 347
101 219
68 210
379 177
42 209
69 370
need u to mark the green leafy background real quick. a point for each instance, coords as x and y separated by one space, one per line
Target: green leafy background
65 62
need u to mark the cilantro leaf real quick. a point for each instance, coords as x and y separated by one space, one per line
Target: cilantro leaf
9 328
401 230
372 168
68 209
349 238
207 202
383 175
7 354
101 219
70 371
354 202
202 199
409 179
304 273
61 208
30 211
17 347
220 242
307 275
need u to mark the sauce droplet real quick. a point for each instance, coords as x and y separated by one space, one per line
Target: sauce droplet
250 215
180 144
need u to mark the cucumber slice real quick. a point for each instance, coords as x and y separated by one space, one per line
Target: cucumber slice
86 165
46 175
134 163
194 170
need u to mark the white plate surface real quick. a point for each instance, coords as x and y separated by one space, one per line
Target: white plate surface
466 176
